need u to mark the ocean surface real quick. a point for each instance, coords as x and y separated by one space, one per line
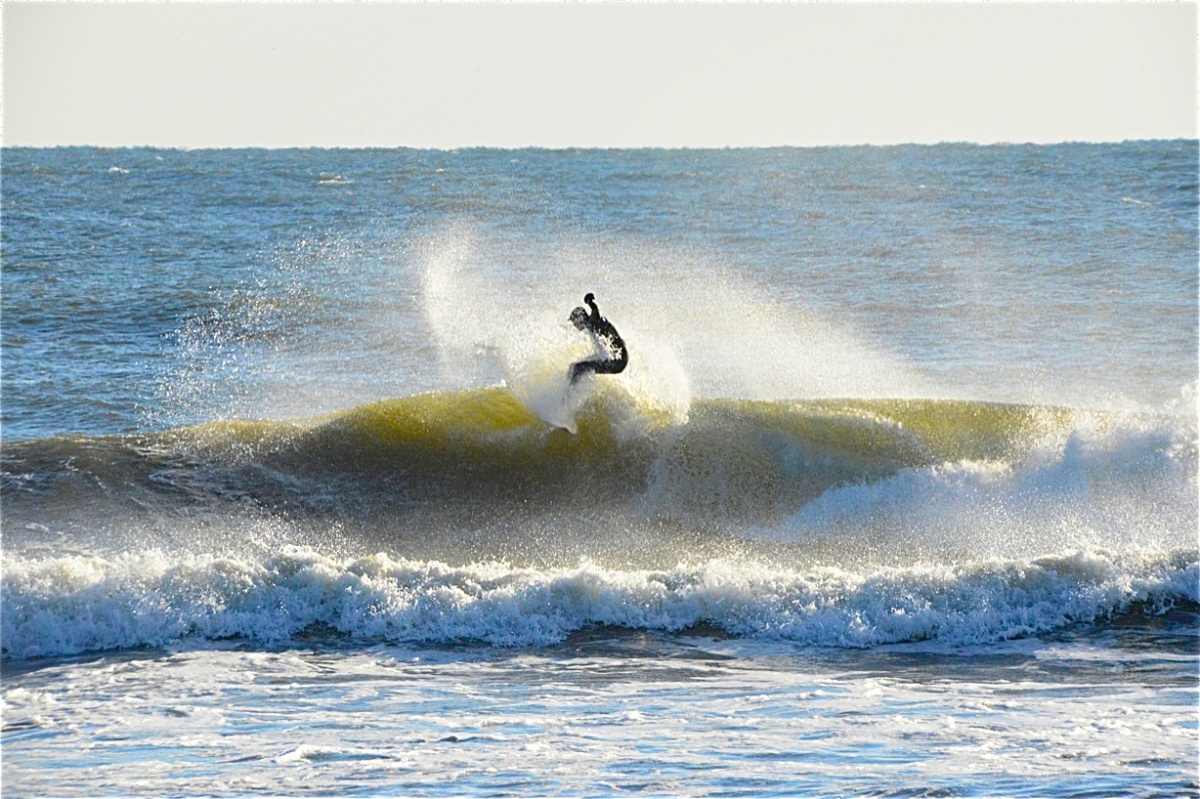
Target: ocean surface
896 497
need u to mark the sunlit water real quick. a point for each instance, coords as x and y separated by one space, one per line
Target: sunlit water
896 497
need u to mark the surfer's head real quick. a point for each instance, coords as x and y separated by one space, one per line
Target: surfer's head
579 317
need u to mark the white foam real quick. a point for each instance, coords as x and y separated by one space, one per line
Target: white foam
1132 484
77 604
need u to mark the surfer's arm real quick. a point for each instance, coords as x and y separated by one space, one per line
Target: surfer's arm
595 318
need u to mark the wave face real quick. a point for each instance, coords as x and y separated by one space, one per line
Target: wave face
462 516
410 460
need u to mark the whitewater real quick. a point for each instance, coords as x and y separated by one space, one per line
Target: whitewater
897 496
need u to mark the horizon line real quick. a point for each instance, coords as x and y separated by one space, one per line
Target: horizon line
567 147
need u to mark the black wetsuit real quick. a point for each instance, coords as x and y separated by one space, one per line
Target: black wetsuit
609 339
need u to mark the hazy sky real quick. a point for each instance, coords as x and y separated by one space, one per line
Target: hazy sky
616 75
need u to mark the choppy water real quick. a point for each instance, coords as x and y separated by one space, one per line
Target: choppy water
897 495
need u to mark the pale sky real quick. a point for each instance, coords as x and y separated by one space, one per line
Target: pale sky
607 75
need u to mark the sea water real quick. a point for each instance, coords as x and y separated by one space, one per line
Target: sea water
897 495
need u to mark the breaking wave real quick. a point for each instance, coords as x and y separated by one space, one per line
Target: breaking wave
80 604
463 517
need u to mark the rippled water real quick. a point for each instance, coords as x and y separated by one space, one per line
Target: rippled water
896 497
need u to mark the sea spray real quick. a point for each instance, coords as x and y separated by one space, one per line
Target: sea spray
692 326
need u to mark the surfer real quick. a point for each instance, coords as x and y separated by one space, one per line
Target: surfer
605 335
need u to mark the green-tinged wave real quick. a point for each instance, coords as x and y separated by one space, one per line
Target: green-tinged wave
483 448
474 475
461 425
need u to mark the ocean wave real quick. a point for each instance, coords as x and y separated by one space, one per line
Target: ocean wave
77 604
735 460
1117 484
827 523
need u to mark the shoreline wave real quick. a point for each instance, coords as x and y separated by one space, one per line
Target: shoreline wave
77 604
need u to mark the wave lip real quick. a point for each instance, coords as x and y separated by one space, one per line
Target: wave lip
71 605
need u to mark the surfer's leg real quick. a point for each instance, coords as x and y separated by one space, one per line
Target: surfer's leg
605 367
578 370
